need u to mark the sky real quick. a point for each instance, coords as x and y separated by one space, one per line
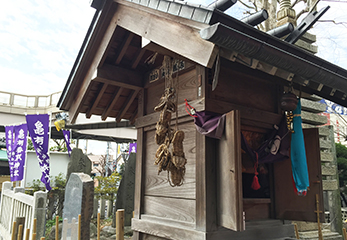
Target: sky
40 40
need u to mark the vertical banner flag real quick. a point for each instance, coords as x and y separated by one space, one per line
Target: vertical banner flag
66 134
38 126
16 144
132 148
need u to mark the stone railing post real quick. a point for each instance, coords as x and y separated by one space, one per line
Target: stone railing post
95 207
102 208
5 186
39 212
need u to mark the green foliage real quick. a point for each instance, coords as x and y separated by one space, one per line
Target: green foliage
49 224
122 169
108 186
30 145
58 183
341 154
59 147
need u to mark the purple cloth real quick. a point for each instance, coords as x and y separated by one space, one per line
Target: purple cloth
210 124
38 126
275 148
16 144
132 148
66 134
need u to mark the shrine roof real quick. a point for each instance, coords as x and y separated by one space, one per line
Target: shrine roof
112 65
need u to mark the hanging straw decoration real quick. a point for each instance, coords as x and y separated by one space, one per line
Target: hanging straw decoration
173 162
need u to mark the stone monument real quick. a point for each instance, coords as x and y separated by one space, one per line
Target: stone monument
79 196
79 162
126 190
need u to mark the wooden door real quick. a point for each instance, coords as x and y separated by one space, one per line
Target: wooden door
288 205
229 175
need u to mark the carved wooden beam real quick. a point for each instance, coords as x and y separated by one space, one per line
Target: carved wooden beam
187 43
114 99
125 108
97 100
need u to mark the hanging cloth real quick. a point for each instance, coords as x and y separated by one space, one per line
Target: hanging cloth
209 124
274 148
298 155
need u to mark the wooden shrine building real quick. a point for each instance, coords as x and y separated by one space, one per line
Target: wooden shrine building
118 74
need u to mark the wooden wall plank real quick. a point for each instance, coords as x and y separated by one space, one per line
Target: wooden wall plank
157 185
170 208
248 114
151 119
186 86
245 89
289 205
166 231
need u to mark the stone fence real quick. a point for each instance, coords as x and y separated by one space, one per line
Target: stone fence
16 204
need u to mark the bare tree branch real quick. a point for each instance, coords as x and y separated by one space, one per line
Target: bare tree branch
247 5
333 21
296 2
302 12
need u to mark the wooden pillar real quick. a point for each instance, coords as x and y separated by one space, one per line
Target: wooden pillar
140 156
205 171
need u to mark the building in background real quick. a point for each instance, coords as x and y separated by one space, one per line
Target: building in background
337 117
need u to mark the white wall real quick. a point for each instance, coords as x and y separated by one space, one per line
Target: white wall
58 164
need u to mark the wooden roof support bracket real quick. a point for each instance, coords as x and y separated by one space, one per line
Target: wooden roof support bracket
97 100
332 92
114 98
228 54
124 47
254 63
320 86
129 101
267 68
137 60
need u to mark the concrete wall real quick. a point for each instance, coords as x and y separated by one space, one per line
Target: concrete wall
58 164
